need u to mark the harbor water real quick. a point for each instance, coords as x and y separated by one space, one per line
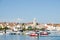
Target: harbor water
52 36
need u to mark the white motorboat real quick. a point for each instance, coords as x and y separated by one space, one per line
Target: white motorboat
1 32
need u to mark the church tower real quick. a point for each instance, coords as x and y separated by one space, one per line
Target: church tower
34 22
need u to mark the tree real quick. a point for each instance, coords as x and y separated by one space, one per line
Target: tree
43 29
30 28
23 26
1 28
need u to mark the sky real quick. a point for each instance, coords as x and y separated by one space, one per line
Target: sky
45 11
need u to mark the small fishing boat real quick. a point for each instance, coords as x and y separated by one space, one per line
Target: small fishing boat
15 33
33 34
44 33
1 33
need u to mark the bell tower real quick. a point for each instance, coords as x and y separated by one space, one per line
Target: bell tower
34 22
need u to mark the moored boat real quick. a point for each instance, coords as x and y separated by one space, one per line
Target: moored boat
44 33
34 34
15 33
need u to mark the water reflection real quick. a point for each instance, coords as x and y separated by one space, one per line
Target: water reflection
34 38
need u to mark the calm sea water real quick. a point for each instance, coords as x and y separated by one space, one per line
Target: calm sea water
52 36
